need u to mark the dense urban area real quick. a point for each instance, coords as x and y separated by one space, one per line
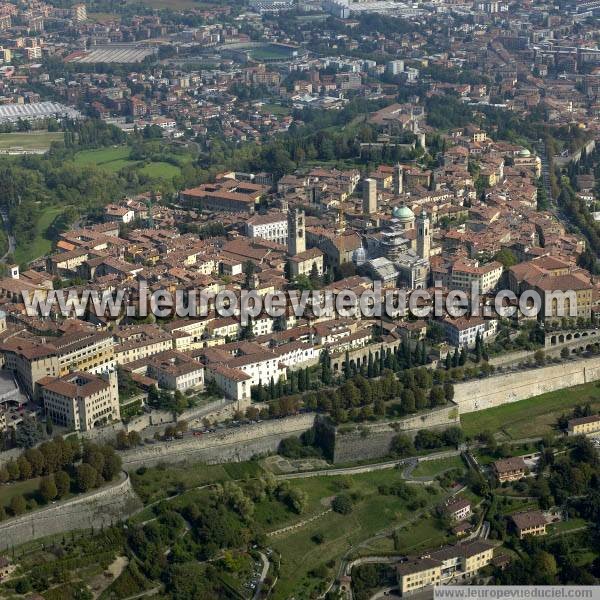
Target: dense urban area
315 151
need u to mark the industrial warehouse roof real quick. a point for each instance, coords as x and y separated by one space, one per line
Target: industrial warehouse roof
113 53
36 110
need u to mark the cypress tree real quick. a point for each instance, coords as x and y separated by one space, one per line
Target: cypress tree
455 358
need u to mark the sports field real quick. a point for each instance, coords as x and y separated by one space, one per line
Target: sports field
33 141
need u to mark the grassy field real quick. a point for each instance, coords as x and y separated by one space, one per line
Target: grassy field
33 140
161 170
114 159
102 17
270 51
420 535
534 416
42 244
107 159
23 488
372 513
566 526
431 468
157 483
275 109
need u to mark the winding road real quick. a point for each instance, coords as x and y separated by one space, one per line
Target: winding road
263 574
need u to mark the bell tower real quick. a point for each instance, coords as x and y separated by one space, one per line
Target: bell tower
423 235
296 231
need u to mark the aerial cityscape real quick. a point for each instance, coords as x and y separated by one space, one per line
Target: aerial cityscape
299 299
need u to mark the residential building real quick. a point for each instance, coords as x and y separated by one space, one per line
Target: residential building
510 469
463 331
81 401
531 522
175 371
458 509
461 561
417 574
272 226
589 426
227 195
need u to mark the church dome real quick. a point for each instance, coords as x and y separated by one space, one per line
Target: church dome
524 153
403 213
359 256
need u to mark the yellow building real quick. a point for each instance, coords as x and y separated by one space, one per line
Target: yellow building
461 561
417 574
302 263
142 341
584 425
6 55
84 352
531 522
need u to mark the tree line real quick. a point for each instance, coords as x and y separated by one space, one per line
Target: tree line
64 466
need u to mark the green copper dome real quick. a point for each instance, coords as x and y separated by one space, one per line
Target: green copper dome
403 213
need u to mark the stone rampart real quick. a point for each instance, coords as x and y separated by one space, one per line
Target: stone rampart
365 441
100 508
230 445
497 390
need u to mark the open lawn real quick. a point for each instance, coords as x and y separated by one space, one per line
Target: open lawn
532 417
42 244
22 488
424 533
162 170
566 526
509 506
436 467
31 141
372 513
114 159
107 159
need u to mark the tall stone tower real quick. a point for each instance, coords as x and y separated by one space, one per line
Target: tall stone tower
398 180
369 190
423 235
296 231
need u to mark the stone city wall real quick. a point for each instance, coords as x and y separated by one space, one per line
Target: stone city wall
367 441
230 445
497 390
100 508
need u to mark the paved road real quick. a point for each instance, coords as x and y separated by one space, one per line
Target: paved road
389 592
389 464
263 575
546 172
151 592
